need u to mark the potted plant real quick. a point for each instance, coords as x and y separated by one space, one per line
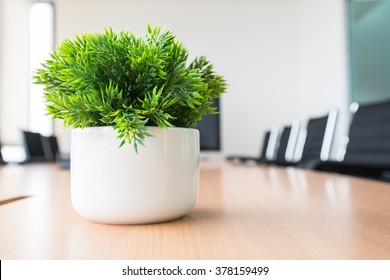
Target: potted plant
133 102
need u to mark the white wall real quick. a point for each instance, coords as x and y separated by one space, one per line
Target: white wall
323 61
283 59
1 56
254 44
14 71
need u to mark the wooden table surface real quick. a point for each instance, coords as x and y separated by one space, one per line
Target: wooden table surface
243 212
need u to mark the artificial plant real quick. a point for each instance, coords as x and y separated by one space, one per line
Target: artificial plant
118 79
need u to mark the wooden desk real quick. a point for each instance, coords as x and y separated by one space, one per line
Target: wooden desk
243 212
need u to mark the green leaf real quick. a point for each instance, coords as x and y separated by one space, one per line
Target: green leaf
128 82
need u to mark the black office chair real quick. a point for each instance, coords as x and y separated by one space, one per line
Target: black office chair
319 138
282 147
1 156
263 153
286 145
368 151
33 147
50 148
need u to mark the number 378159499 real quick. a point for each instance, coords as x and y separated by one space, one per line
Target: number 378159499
241 270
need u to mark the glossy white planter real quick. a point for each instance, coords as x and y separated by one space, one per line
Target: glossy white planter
115 185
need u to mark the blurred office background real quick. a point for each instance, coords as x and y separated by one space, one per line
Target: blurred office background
283 59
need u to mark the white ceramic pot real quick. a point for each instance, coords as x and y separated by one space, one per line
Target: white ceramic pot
115 185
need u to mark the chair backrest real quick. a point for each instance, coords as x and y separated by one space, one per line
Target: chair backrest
282 144
287 142
33 146
369 136
50 147
319 137
272 145
263 152
1 156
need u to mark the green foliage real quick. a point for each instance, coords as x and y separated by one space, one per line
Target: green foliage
128 82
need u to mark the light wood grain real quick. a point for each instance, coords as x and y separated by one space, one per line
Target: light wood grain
243 212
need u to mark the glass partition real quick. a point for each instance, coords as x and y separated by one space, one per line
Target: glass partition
369 23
